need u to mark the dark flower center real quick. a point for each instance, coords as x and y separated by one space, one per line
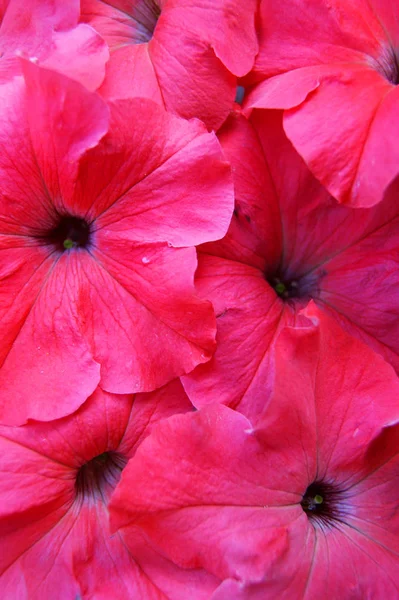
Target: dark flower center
240 94
321 503
70 232
388 66
145 14
291 288
395 71
285 289
99 476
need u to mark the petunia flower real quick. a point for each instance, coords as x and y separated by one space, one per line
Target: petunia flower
333 65
57 479
305 502
290 242
48 32
97 240
184 54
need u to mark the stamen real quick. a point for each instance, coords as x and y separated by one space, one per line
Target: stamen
323 503
69 232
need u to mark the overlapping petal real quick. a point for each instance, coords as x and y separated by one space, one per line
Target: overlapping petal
180 53
117 299
54 516
287 231
333 66
48 31
140 253
211 490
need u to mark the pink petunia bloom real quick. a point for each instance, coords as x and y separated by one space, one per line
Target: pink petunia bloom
57 479
290 241
49 32
305 502
97 244
334 66
184 54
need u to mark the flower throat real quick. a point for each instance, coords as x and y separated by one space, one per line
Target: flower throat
69 232
99 476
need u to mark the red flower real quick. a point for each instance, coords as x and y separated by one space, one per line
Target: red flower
48 31
289 241
333 65
306 501
181 53
56 482
96 264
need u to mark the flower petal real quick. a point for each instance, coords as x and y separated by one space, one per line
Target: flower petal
146 326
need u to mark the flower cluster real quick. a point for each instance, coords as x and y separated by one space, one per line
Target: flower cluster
199 300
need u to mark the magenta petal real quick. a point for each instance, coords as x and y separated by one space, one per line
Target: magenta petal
388 15
344 563
42 325
29 28
337 59
137 159
47 32
56 484
38 319
352 562
346 414
113 566
286 90
317 33
65 121
343 157
255 230
182 54
77 207
211 490
224 526
86 63
349 265
158 329
228 27
170 205
250 317
375 506
20 176
130 73
52 121
192 80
